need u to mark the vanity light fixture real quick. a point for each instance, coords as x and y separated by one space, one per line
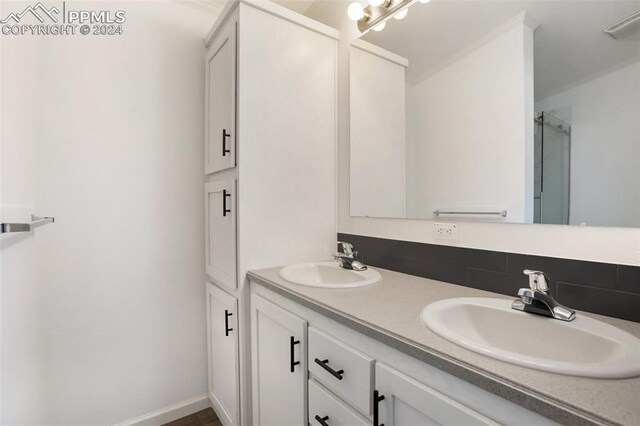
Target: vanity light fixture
355 11
379 27
375 14
402 14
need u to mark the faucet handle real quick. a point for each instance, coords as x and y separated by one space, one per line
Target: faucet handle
347 248
538 280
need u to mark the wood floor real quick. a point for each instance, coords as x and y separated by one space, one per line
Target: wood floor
206 417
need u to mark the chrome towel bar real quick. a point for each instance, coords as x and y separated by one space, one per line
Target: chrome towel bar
36 221
502 213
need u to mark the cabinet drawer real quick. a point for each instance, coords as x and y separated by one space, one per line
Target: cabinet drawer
325 408
342 369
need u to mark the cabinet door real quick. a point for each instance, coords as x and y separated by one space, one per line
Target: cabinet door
222 343
279 341
220 232
403 401
220 104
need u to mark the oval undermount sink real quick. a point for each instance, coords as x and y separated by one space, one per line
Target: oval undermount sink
584 347
328 275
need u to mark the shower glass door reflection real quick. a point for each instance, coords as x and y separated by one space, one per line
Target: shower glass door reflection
552 158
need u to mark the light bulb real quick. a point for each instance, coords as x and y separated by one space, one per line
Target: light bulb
375 3
380 27
402 14
355 11
424 1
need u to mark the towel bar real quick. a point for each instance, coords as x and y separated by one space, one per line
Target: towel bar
36 221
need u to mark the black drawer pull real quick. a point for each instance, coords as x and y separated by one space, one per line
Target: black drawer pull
225 135
376 399
324 364
292 343
225 210
322 420
227 314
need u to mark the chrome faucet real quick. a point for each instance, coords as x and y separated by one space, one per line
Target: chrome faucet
537 300
347 257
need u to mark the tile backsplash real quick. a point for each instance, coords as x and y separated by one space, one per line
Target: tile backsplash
601 288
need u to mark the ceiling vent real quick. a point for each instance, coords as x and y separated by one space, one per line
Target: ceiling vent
625 28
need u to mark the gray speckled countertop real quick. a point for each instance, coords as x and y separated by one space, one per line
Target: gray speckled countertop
390 313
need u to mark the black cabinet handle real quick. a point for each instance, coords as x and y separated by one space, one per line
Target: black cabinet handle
324 364
225 210
322 420
376 399
225 135
292 343
227 314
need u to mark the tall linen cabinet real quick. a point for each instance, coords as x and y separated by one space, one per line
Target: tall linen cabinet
270 166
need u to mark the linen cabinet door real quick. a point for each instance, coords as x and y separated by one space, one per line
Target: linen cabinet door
220 232
222 344
279 359
400 400
220 104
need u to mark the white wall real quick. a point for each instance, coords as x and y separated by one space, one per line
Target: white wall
22 341
378 144
617 245
468 141
605 137
103 314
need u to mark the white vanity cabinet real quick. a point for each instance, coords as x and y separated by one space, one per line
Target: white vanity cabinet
220 100
222 342
279 367
354 379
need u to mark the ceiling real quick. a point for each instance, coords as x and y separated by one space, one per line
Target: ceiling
300 6
216 6
210 6
569 44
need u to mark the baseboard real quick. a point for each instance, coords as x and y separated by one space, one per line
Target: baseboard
220 411
170 413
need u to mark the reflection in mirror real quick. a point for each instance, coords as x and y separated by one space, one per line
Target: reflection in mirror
503 111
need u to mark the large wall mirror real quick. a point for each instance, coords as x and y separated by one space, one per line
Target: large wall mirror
503 111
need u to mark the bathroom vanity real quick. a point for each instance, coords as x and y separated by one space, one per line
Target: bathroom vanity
363 356
285 354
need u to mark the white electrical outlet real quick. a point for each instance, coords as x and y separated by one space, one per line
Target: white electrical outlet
445 231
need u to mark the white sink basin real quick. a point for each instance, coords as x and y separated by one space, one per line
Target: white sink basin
328 275
584 347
